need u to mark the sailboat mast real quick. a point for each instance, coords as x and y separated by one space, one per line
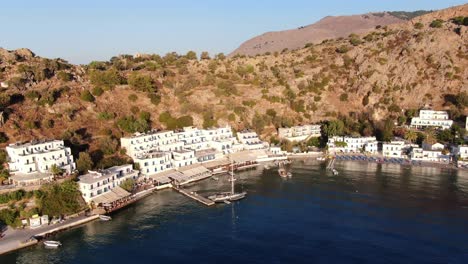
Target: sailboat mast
232 177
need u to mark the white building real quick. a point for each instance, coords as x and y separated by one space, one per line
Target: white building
396 148
153 162
184 157
462 152
429 155
393 149
352 144
435 146
208 155
152 141
250 140
299 133
96 184
39 157
431 118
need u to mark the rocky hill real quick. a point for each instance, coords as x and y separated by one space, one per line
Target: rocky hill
361 79
330 27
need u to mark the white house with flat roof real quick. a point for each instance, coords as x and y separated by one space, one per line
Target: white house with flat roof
184 157
431 118
435 146
39 157
96 184
352 144
462 152
153 162
421 154
142 143
299 133
250 140
396 148
393 149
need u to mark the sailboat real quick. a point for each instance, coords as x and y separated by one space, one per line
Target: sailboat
227 197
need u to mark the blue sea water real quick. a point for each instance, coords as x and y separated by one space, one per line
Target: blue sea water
369 213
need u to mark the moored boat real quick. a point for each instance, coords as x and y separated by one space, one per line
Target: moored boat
105 218
225 197
52 243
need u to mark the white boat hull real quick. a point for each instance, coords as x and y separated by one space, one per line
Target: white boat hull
53 244
222 197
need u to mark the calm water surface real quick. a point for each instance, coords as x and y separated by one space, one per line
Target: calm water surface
369 213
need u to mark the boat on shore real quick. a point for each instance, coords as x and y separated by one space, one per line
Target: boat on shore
105 218
227 197
52 243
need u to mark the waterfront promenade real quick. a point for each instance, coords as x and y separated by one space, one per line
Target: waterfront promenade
19 238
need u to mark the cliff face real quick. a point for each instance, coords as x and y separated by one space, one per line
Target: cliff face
372 76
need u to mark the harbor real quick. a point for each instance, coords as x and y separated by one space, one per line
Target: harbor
311 203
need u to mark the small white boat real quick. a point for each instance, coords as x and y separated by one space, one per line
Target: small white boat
335 172
105 218
321 158
51 243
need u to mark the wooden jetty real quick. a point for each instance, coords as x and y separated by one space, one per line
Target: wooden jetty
195 196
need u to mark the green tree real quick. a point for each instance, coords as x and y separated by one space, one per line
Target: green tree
411 136
3 137
245 70
133 97
84 162
87 96
4 100
418 25
56 170
205 55
108 145
430 136
128 185
60 199
220 56
344 97
154 98
333 128
8 216
438 23
64 76
385 132
191 55
142 83
106 79
98 91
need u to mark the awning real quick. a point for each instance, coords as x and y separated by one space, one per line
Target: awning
193 170
113 195
166 176
216 163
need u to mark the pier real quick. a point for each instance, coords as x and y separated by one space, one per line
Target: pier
195 196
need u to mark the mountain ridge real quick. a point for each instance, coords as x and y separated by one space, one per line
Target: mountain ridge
325 28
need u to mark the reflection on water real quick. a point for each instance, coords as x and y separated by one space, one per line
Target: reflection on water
368 213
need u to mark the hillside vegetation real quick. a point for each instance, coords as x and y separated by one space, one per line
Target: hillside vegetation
365 80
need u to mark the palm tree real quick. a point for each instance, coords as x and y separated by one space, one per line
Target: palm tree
430 137
411 136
